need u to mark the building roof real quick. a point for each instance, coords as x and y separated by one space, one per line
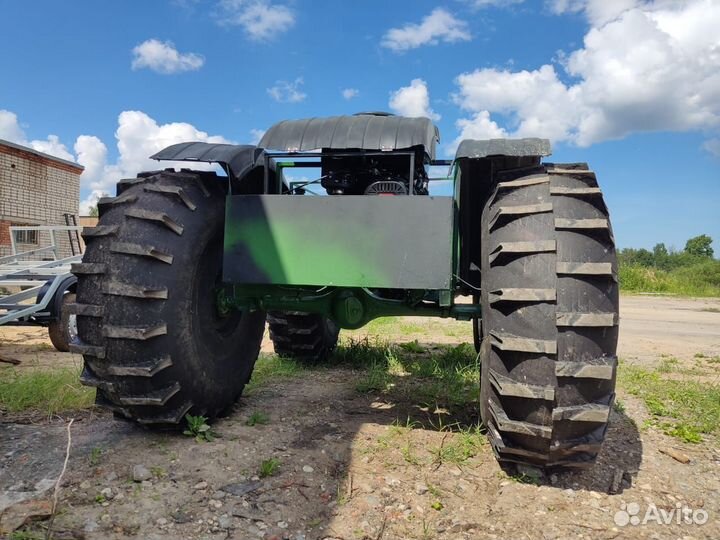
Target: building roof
39 156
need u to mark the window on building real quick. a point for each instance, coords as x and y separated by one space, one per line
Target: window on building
25 237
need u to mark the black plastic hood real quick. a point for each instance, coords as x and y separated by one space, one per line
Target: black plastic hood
238 158
367 131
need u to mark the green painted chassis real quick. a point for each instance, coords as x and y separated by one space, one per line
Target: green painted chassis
350 306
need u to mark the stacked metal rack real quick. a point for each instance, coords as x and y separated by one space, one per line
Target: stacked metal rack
35 284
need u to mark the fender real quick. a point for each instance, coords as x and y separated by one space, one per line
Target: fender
66 285
235 159
478 162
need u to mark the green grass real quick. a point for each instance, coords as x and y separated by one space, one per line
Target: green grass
462 446
269 467
271 368
685 409
26 535
95 456
258 418
48 392
412 347
701 279
447 375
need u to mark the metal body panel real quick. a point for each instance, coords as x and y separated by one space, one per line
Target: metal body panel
362 132
475 149
350 241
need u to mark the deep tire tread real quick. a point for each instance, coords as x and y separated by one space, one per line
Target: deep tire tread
129 320
550 299
306 337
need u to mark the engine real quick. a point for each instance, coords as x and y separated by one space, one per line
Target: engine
373 175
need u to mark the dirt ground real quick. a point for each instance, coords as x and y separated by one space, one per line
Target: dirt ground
349 469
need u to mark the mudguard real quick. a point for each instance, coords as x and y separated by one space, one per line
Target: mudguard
236 159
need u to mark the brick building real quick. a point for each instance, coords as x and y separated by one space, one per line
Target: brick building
36 189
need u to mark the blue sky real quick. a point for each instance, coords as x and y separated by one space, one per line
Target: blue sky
630 86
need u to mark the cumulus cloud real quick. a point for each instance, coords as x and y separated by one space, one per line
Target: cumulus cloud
138 136
11 130
287 91
479 126
413 100
439 26
350 93
597 11
261 19
644 66
163 57
92 154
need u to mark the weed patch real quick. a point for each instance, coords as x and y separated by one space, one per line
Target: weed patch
49 392
680 408
258 418
198 427
269 467
270 368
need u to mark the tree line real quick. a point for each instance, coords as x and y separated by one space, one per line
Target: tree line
697 250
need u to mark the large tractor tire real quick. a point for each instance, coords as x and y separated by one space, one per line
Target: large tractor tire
306 337
154 344
550 315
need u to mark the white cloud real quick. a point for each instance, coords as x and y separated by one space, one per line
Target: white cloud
138 136
10 130
256 135
163 57
479 126
648 67
413 100
712 146
440 25
261 19
598 11
52 146
287 92
350 93
481 4
92 154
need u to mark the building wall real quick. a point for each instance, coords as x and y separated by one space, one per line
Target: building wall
87 221
36 189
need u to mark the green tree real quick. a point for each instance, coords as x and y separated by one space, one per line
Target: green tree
660 250
700 246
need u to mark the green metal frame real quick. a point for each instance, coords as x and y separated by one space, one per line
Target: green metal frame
351 307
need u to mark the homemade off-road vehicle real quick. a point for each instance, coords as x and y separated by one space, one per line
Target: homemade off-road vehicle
184 269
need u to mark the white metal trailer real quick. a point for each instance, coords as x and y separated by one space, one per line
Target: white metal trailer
34 284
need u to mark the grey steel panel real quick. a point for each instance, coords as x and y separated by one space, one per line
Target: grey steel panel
346 241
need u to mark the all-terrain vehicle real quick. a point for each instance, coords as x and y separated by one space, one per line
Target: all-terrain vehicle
186 267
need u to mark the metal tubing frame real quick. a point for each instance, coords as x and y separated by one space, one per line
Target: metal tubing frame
33 308
273 155
15 272
329 301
